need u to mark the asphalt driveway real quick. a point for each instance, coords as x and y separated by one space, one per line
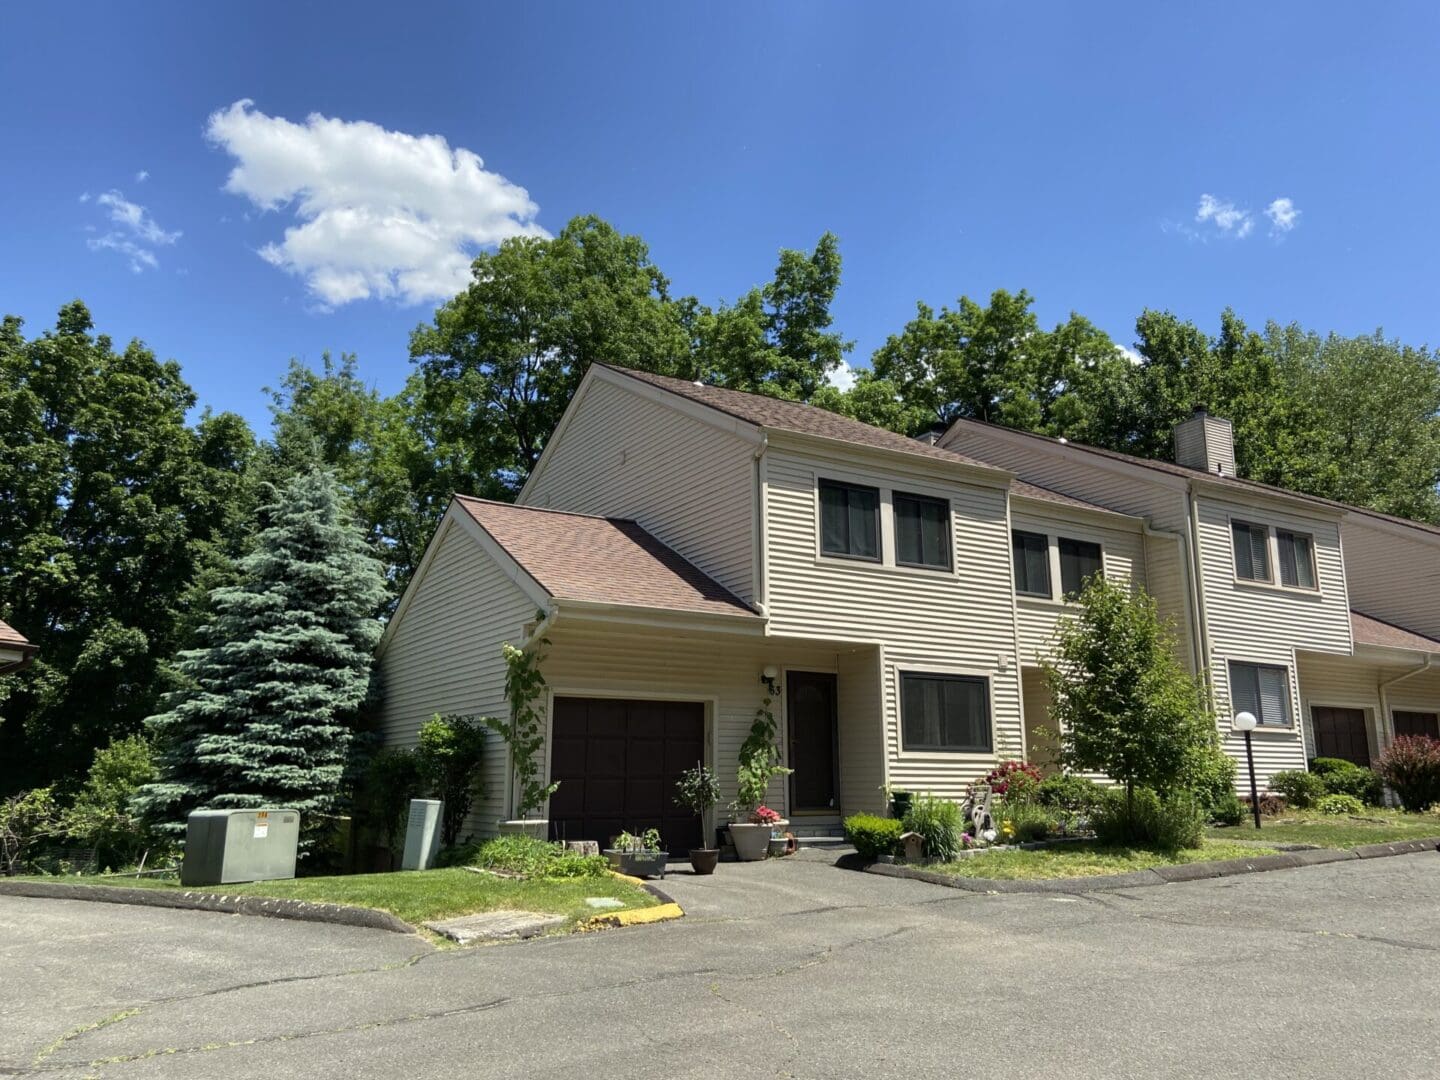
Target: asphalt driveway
781 969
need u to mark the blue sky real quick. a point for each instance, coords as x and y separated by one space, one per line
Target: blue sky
954 148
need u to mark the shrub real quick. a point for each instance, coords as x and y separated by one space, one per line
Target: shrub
698 789
1177 822
938 821
25 820
1077 794
1015 780
1228 811
449 756
1411 766
101 817
391 779
526 856
1340 804
1211 777
1024 821
873 835
1343 777
1302 790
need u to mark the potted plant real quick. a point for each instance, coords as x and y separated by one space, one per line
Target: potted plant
752 823
638 856
698 790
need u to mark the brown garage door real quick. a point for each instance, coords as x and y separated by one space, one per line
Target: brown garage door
1417 723
617 763
1340 733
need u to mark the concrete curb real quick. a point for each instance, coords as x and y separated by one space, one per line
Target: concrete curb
264 906
1160 875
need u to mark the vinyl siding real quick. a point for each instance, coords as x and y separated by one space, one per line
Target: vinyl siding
1166 579
1393 577
1354 683
1265 625
444 655
1073 472
723 671
691 484
926 621
1122 552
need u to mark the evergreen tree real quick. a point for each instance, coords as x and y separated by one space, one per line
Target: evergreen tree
282 670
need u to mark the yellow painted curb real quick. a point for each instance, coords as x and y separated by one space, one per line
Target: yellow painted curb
635 916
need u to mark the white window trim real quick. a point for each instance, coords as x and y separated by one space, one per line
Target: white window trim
901 669
1272 552
887 563
1292 694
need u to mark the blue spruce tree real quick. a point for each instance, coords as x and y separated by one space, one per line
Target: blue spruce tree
283 669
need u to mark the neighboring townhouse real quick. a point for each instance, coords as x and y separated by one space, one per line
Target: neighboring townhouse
16 651
684 549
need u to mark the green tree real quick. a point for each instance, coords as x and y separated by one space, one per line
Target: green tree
113 502
1121 701
449 755
269 717
101 816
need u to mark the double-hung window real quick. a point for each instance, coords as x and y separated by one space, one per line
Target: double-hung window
1297 559
1078 560
1252 550
945 712
922 531
1263 690
1032 563
849 520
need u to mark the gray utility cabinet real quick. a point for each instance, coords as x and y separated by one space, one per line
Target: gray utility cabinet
222 846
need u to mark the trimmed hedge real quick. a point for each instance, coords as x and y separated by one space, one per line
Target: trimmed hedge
873 835
1302 790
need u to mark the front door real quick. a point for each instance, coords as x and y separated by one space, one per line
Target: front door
810 708
1340 733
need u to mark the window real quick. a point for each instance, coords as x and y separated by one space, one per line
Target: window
1297 559
849 520
1252 551
1078 560
922 531
1416 723
1032 563
945 712
1261 690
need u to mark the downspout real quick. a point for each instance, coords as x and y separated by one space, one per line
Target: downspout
761 579
1190 611
1197 582
1387 722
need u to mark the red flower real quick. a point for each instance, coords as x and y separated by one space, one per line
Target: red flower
765 816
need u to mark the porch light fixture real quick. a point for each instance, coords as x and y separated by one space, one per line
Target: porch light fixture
1245 722
771 672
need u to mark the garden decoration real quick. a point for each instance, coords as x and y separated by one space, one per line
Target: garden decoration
978 812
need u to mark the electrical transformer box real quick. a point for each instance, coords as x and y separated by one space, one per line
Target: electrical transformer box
223 846
422 834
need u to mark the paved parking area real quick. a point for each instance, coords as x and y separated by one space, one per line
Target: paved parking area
790 968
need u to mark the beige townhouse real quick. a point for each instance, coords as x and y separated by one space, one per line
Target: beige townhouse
685 551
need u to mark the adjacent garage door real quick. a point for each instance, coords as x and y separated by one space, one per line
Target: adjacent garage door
1417 723
1340 733
617 763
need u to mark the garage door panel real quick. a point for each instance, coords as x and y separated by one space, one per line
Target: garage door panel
617 762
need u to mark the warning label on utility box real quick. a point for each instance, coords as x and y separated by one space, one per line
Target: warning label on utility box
262 825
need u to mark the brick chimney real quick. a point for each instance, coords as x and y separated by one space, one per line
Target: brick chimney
1206 442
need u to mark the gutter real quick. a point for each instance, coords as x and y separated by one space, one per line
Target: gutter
761 577
1387 721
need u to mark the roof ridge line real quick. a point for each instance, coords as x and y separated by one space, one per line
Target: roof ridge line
545 509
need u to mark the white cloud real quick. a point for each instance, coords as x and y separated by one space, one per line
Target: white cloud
134 233
1130 354
142 176
379 213
1284 215
1225 216
842 377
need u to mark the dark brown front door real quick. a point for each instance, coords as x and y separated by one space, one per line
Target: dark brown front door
810 709
617 763
1417 723
1340 733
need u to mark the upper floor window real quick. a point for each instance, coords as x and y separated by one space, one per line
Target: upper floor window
1032 563
849 520
1078 560
922 531
1297 558
1252 551
945 712
1263 690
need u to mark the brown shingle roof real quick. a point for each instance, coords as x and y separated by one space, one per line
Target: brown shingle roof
1035 491
602 560
11 637
783 415
1238 482
1369 630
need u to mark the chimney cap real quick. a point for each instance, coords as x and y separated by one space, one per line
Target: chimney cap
1200 409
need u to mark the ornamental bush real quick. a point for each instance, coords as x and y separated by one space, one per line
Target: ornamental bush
528 857
449 756
1340 804
1024 822
1015 780
1302 790
873 836
1170 824
1228 810
938 821
1411 766
1342 777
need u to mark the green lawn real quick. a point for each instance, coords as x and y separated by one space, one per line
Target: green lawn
1303 827
1088 859
420 896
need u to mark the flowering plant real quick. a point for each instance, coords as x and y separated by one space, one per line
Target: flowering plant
763 815
1019 774
966 841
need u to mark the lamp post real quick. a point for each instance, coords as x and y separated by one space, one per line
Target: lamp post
1246 722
